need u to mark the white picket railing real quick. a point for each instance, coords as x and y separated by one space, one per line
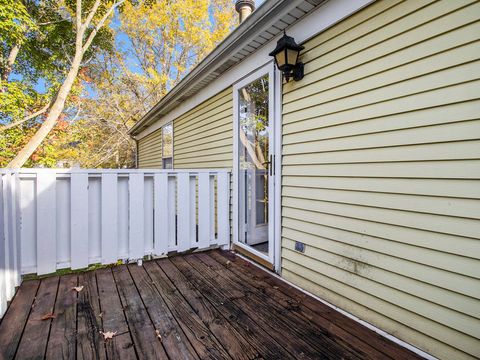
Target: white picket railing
58 218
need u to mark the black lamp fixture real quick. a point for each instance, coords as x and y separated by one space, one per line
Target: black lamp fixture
286 57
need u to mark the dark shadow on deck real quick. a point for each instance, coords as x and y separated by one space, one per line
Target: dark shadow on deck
205 305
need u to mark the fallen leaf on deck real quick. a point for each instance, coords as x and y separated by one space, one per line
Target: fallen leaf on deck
100 315
275 287
158 334
108 335
228 263
78 288
48 316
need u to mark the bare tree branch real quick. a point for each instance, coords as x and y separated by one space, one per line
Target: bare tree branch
29 117
100 24
91 14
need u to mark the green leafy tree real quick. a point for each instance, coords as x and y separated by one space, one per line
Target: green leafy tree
162 41
89 20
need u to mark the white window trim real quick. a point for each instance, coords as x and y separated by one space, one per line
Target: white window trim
163 142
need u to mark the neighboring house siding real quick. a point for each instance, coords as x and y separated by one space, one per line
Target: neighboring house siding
203 137
381 172
150 151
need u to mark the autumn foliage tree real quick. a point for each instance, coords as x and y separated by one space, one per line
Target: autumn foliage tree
159 42
101 65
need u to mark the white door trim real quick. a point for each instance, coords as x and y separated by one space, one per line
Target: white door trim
266 69
277 216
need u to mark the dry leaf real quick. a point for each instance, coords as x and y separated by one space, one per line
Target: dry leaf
48 316
78 288
275 287
158 334
100 315
108 335
228 263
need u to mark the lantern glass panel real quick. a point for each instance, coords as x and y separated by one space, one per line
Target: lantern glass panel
292 56
280 57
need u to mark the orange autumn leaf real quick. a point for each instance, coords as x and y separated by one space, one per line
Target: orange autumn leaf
48 316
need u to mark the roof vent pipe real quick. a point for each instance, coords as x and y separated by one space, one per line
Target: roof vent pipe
244 8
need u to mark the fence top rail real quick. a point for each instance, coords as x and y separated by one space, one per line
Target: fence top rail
111 171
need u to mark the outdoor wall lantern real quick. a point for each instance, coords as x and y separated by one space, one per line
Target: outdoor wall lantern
286 57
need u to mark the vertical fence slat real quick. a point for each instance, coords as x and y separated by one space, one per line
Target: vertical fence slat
16 223
172 213
161 225
9 288
28 213
79 220
122 186
213 224
136 213
109 218
193 214
3 255
148 216
184 214
46 223
204 210
223 196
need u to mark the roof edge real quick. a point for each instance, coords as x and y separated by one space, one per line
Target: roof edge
268 10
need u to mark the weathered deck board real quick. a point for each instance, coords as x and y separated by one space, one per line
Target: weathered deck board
308 304
89 344
210 305
205 344
267 347
172 337
293 306
13 323
35 337
62 339
147 343
310 341
113 318
233 337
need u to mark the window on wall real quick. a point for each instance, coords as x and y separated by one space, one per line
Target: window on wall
167 147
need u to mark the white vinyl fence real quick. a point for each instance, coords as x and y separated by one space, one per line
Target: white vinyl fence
58 218
9 239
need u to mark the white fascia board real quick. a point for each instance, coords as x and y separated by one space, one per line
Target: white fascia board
319 20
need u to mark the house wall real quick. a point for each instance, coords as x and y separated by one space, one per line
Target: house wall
150 151
381 171
203 137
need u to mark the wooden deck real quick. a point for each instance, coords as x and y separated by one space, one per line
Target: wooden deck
204 305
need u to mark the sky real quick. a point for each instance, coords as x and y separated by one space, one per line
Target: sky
122 43
122 40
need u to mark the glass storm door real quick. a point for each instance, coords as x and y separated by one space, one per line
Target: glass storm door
255 165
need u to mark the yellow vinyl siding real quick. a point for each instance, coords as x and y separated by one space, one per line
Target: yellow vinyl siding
150 151
381 170
203 137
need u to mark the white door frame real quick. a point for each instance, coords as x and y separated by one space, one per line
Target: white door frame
275 147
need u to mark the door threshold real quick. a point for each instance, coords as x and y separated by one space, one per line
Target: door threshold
253 257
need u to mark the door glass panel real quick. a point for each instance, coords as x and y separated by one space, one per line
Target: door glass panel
253 164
